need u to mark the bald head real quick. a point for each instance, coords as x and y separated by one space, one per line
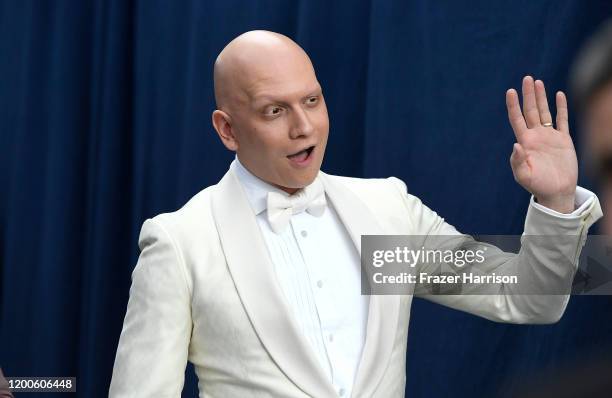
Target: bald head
270 109
250 59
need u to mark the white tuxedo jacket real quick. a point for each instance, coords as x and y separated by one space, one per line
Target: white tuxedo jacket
204 290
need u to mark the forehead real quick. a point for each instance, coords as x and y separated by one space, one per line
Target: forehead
282 77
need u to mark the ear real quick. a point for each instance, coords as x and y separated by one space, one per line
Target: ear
223 125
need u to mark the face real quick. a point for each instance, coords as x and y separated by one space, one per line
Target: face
280 123
599 130
599 138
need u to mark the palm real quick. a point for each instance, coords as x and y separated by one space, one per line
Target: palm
544 159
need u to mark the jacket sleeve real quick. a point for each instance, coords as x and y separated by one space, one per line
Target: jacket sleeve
153 347
546 262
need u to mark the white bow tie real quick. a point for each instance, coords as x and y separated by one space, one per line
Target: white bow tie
281 208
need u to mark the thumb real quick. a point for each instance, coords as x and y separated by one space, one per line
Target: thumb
520 167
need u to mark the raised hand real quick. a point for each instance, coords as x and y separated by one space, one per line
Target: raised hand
544 159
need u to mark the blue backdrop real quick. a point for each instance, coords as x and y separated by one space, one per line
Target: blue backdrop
105 121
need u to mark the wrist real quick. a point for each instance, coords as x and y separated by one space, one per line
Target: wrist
560 203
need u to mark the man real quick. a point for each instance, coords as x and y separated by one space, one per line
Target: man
592 89
256 280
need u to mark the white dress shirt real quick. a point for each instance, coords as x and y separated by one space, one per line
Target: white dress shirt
318 270
582 201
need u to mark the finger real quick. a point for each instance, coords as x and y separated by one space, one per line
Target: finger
515 116
562 118
542 102
530 110
518 155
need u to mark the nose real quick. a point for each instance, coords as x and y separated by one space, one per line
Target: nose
302 126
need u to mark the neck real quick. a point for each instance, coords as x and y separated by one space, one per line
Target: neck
290 191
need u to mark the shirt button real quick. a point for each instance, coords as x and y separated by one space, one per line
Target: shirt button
320 283
304 234
331 337
341 392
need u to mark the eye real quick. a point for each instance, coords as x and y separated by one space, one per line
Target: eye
312 100
273 111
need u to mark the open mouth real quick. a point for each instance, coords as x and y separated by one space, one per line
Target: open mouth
302 155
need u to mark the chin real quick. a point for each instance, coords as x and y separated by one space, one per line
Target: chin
308 180
299 183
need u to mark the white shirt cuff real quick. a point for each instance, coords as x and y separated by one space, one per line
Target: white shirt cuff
582 201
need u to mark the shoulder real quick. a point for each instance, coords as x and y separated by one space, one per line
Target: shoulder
390 189
388 199
190 223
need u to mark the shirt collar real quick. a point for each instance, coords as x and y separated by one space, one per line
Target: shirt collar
255 188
